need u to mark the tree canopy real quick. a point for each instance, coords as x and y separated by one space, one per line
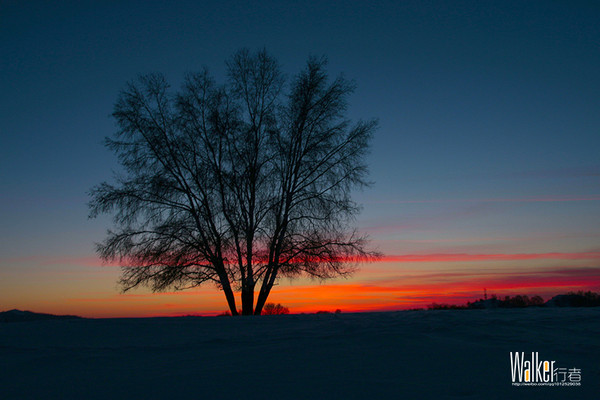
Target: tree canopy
238 183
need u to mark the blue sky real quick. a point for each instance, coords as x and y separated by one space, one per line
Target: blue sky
489 138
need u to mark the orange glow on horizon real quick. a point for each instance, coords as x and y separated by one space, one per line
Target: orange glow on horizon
379 295
392 283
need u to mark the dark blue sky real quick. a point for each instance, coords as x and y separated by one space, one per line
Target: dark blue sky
489 112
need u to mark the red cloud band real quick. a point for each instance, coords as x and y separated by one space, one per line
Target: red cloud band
590 255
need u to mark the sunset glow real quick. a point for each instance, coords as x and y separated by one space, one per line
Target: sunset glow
485 166
394 283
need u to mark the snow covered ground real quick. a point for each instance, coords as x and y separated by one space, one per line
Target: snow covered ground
393 355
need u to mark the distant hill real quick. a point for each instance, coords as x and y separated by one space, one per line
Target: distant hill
19 316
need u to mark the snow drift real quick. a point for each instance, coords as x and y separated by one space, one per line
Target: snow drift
407 354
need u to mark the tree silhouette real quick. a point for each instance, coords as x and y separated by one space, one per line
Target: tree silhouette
236 184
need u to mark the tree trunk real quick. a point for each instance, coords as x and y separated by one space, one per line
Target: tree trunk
248 300
265 290
224 279
262 299
230 299
260 303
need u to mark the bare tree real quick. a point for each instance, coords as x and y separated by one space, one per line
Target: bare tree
275 309
237 184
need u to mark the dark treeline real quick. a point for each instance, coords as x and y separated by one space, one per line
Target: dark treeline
571 299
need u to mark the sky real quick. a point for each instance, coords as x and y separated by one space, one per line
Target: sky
486 164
